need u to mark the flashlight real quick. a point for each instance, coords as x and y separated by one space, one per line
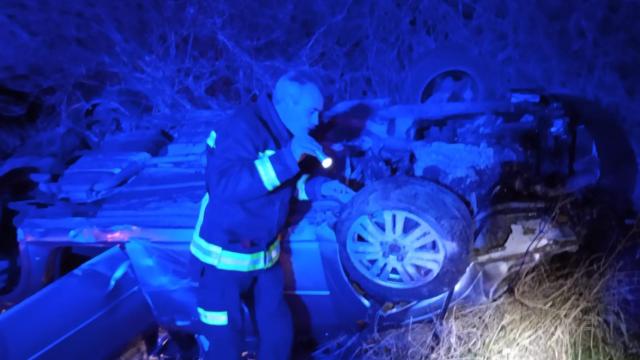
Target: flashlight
325 161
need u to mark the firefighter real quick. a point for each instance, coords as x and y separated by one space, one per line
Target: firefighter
252 172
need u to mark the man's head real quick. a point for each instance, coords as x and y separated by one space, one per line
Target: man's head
298 100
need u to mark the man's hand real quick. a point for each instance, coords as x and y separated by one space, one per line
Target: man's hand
334 189
305 145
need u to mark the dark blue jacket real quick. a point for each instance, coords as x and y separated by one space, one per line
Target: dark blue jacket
243 215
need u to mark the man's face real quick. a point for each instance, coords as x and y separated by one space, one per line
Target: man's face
301 111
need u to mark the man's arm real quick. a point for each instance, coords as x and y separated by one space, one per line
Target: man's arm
235 172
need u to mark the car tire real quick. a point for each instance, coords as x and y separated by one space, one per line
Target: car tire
450 60
422 234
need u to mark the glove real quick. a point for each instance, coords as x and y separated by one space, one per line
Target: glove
334 189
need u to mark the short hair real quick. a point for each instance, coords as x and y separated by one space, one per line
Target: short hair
304 76
299 76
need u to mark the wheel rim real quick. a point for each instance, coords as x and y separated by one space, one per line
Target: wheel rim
395 248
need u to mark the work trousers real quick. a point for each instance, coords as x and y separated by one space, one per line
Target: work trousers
221 290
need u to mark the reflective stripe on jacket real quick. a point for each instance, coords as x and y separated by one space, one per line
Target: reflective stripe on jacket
223 259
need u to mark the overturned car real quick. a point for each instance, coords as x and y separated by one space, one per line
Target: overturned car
457 193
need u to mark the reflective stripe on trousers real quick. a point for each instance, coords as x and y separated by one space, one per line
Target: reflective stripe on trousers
219 298
214 318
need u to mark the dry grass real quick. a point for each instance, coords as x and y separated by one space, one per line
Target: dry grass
555 311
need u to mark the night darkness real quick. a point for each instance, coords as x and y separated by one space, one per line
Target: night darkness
482 202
